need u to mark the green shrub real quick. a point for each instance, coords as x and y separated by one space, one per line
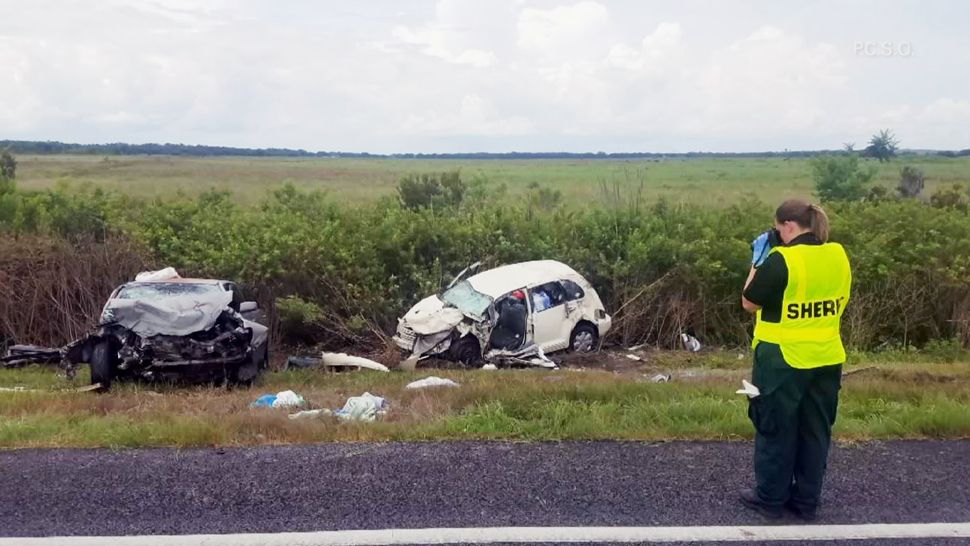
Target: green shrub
660 268
440 190
301 321
840 178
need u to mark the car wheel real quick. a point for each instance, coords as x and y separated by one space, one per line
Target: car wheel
102 365
245 374
583 338
467 351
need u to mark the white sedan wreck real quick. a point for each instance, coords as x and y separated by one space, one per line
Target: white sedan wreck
514 313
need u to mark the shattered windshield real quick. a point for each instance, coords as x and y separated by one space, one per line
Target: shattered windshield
161 290
467 299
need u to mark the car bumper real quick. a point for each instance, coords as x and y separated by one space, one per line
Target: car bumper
604 325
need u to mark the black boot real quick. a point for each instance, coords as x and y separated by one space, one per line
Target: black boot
750 498
801 512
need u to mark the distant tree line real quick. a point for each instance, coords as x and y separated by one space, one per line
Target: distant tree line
37 147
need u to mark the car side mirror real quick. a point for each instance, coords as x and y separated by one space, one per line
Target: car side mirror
248 306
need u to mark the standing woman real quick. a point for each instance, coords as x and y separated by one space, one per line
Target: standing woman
798 290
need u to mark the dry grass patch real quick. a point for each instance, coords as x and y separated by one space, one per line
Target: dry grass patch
888 401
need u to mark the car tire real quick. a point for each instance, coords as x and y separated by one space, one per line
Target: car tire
246 374
467 352
102 365
584 338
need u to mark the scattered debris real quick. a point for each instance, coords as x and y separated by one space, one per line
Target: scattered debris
410 364
542 363
637 347
16 389
303 362
489 367
690 342
337 360
21 355
311 414
264 401
89 388
431 382
858 370
740 356
634 357
285 399
660 378
365 407
750 390
160 275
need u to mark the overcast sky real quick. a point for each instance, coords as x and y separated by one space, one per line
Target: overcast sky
487 75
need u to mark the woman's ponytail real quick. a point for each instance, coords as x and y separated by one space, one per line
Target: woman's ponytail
818 222
806 215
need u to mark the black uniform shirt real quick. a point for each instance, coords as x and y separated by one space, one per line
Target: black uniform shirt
767 288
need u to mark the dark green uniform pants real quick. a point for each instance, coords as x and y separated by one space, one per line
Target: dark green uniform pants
793 419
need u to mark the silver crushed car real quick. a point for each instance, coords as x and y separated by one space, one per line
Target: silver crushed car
175 328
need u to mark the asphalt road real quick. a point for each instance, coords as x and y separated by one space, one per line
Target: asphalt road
467 484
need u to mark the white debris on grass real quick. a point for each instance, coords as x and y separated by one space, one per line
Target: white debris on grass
690 343
489 367
343 359
310 414
660 378
366 407
288 399
431 382
634 357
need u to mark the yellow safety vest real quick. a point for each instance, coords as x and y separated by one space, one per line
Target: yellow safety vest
819 280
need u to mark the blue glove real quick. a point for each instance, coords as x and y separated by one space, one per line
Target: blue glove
760 248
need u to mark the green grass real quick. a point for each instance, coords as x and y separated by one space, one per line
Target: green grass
890 400
702 181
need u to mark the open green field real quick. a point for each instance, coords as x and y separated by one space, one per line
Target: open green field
702 181
879 401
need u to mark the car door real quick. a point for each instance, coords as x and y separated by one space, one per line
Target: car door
550 323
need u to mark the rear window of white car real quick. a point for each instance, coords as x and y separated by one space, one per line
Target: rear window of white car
573 290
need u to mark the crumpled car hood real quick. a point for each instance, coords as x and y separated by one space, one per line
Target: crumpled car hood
431 316
174 316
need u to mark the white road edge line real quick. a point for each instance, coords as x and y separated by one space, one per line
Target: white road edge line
487 535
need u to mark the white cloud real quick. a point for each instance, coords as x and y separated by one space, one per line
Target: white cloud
474 115
947 111
771 78
460 75
434 43
659 49
447 36
563 31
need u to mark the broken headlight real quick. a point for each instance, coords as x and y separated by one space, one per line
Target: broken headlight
107 316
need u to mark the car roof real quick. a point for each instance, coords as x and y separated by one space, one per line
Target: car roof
502 280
